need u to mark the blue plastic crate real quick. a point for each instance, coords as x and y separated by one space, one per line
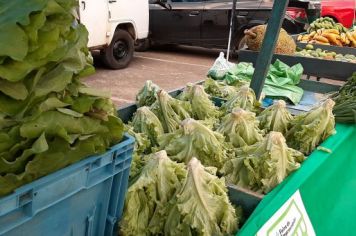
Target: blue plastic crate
85 198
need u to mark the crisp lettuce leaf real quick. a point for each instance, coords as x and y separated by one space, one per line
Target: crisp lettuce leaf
147 95
147 200
276 118
202 107
145 121
245 98
193 139
310 129
262 166
240 128
202 206
170 111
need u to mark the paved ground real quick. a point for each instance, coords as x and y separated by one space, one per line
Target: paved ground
170 68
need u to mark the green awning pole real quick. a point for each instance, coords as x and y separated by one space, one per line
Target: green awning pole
269 43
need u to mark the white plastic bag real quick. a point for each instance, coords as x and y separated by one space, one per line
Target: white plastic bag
220 68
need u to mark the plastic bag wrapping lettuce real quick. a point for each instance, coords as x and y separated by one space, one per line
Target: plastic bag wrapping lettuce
281 81
48 118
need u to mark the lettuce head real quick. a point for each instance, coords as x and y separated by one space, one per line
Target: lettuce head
202 206
308 130
170 111
245 98
145 121
194 139
147 200
264 165
240 127
147 95
276 118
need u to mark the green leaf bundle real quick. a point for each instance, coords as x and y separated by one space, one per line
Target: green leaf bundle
264 165
202 206
147 200
240 127
308 130
193 139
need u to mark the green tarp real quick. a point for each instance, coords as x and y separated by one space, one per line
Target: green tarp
281 81
327 186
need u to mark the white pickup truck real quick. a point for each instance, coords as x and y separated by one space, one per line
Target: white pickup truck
114 26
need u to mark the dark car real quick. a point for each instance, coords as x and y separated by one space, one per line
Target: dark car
206 23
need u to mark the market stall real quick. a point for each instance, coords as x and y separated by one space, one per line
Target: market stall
255 149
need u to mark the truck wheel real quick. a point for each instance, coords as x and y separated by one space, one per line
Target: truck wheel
119 53
142 45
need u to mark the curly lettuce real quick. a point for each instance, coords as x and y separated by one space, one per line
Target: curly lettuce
219 88
147 199
202 206
245 98
264 165
193 139
170 111
145 121
202 107
147 95
240 127
276 118
308 130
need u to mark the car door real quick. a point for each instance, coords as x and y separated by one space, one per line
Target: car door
180 25
94 15
217 16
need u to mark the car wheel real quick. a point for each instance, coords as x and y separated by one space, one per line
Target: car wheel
119 53
142 45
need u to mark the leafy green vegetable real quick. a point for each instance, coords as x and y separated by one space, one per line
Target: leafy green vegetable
147 200
310 129
186 95
142 147
170 111
245 98
219 88
193 139
345 107
240 128
276 118
202 206
264 165
145 121
202 107
48 118
147 95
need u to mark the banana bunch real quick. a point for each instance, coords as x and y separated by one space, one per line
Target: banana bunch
326 23
330 37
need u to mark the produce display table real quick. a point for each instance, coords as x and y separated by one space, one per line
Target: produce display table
327 186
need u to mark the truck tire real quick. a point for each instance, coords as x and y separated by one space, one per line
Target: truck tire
119 53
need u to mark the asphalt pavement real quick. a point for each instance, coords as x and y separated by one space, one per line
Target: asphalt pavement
169 67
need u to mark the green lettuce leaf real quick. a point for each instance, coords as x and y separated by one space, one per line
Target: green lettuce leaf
310 129
194 139
276 118
245 98
264 165
147 200
202 206
170 111
147 95
240 128
145 121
